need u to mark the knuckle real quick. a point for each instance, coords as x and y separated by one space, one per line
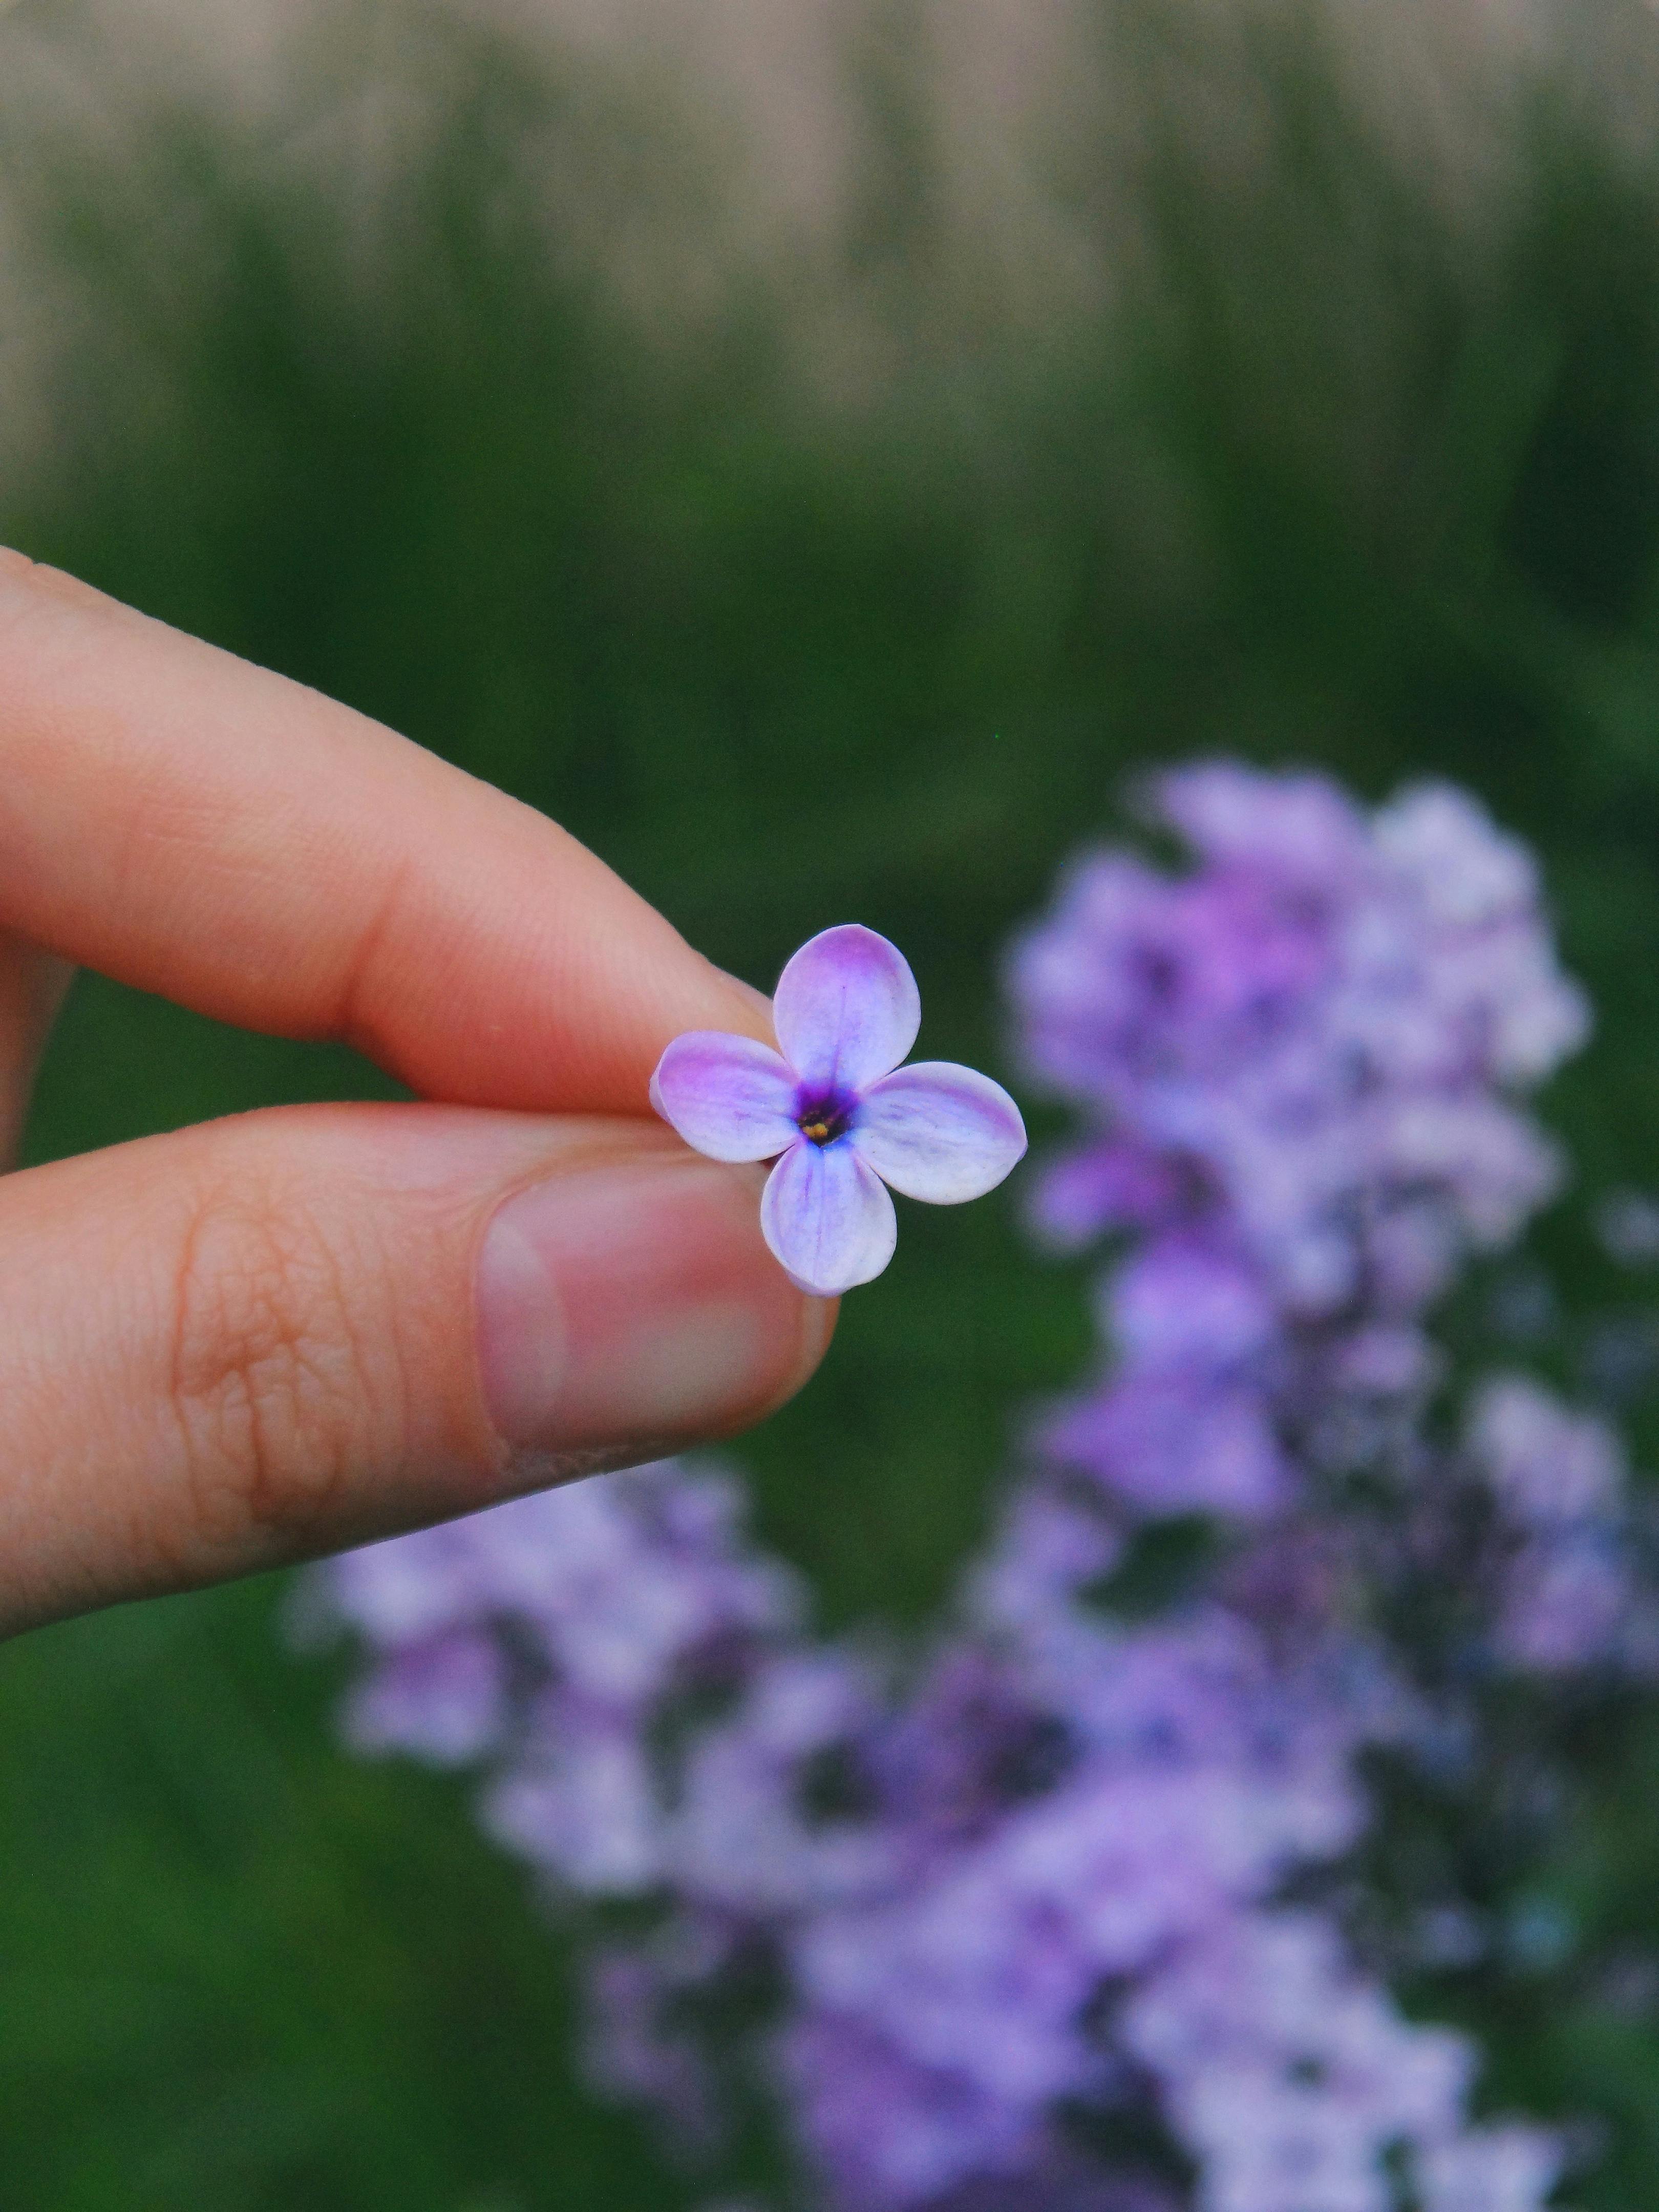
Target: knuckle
275 1395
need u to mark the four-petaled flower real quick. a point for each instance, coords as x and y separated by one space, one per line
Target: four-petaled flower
837 1112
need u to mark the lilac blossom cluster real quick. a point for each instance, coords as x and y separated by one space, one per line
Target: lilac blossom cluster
1025 1918
1299 1068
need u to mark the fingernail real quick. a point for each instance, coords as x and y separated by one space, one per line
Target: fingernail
636 1301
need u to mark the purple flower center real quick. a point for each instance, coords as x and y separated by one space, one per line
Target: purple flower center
824 1116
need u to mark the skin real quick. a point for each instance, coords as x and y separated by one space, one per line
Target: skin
264 1338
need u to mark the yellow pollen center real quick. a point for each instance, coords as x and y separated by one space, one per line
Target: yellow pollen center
817 1131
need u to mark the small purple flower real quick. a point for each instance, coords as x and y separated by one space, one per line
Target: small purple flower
837 1113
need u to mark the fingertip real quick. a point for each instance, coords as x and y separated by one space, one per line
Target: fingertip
818 1320
38 580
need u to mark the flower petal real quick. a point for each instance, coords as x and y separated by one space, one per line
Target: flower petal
939 1132
727 1095
846 1008
827 1218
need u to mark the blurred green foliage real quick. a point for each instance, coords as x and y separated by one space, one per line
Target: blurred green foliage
1346 475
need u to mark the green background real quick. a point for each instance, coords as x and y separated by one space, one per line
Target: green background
1360 468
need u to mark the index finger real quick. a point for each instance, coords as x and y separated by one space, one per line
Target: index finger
187 823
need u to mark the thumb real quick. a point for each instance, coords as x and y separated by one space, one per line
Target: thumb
264 1338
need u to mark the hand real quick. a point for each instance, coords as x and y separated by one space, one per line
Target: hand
273 1335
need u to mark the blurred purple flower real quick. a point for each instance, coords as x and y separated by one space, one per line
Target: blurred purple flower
579 1616
1567 1594
1038 1877
443 1699
1510 2168
1300 1060
1291 2076
886 2130
839 1114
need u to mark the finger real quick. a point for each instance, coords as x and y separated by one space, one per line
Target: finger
196 826
270 1336
32 985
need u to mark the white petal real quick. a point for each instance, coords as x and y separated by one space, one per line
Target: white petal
828 1218
846 1008
939 1132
